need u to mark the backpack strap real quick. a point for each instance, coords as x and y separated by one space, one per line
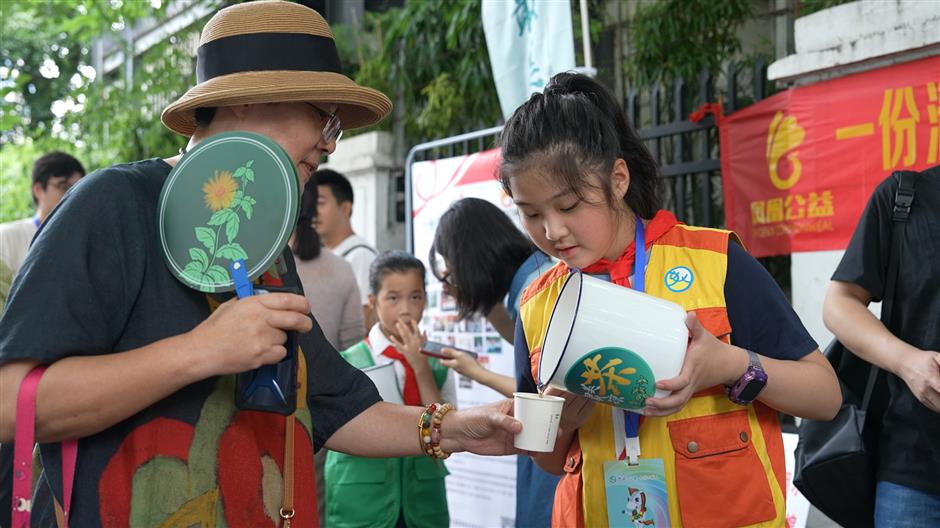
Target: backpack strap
903 201
359 246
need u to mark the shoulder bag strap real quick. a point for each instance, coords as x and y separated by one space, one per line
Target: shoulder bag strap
903 200
287 480
23 455
359 246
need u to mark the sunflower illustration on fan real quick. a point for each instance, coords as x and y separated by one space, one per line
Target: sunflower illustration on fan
225 196
220 191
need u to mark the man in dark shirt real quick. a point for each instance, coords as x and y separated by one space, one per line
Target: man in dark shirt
142 367
908 492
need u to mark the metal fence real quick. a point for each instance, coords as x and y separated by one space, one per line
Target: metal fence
442 148
686 151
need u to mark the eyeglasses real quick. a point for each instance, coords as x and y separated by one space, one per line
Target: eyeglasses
440 271
447 278
333 129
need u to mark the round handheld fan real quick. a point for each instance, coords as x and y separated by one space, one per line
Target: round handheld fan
225 214
234 197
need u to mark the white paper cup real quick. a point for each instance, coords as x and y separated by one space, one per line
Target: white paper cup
540 416
384 378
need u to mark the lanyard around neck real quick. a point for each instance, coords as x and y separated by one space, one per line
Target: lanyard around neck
639 262
631 420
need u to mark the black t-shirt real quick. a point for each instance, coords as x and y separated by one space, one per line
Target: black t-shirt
95 282
761 318
909 452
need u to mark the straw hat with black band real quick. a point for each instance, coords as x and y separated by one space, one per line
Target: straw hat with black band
271 51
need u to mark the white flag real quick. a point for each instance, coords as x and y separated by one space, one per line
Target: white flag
528 41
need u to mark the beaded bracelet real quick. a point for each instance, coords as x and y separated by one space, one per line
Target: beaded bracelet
429 430
424 429
436 431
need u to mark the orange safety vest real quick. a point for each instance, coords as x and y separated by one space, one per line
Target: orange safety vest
724 463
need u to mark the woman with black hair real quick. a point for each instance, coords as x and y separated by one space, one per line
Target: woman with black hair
485 262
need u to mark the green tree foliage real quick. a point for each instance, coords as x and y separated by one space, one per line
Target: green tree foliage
806 7
595 9
44 44
678 38
433 55
6 280
15 168
49 97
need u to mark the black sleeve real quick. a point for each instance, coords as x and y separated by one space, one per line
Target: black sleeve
761 318
81 276
524 380
865 261
337 392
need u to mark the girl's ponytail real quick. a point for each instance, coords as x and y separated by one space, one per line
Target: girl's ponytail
576 124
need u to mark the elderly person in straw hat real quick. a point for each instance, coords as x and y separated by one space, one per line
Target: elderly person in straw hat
141 367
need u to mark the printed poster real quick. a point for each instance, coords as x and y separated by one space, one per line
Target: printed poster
481 491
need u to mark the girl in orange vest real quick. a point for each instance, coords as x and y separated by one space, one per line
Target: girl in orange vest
711 453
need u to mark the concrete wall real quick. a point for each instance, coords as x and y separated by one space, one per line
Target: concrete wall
368 161
810 273
858 36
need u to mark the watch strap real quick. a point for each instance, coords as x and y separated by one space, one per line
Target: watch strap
754 373
753 360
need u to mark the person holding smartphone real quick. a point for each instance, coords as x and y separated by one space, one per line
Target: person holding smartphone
486 263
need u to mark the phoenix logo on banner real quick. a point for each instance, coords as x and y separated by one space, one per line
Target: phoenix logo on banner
783 138
784 167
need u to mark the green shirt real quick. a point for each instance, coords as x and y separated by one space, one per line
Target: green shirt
370 492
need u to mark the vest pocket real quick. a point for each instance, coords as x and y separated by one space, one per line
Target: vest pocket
347 469
427 468
720 479
358 491
425 493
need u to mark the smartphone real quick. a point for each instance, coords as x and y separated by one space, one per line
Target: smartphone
271 388
435 349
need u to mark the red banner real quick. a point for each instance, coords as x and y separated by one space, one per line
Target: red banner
799 167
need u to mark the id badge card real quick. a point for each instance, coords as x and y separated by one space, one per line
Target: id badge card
636 495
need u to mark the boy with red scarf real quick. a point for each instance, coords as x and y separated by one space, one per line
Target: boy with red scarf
406 491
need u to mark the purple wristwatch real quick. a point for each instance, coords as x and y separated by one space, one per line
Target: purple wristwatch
746 389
